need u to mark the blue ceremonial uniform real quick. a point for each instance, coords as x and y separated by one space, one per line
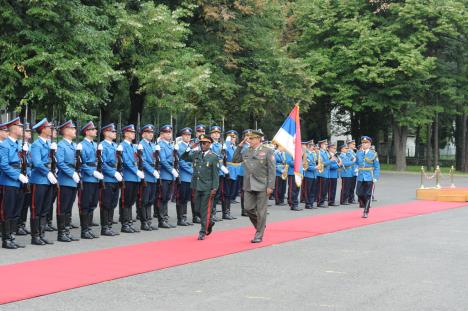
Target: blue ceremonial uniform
110 194
66 154
309 182
280 183
293 189
347 173
233 168
88 156
10 163
369 170
40 160
129 162
148 160
184 191
322 178
166 156
332 180
109 161
185 167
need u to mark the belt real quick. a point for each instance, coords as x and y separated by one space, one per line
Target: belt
347 167
366 168
71 165
233 164
92 164
15 165
48 165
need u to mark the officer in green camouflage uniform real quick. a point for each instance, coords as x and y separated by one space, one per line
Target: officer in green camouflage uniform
259 179
205 181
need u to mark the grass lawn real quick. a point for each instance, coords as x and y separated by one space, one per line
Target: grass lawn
416 169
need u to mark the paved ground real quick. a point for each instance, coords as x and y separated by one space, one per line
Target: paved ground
417 263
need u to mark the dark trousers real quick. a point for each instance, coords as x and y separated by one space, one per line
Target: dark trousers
346 183
218 197
204 205
364 192
146 197
164 195
322 189
332 189
293 192
41 200
88 197
11 205
53 198
352 189
241 191
309 191
280 189
26 205
229 188
65 199
184 195
128 198
109 196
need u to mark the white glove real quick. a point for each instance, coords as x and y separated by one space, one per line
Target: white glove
157 148
175 173
79 147
224 169
188 149
23 179
26 147
51 178
100 147
76 177
120 147
53 146
176 147
375 180
224 147
140 147
229 138
196 148
118 176
156 174
141 174
98 175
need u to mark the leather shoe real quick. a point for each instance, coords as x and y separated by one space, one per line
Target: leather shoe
333 204
126 229
21 231
164 225
210 228
364 215
182 223
257 238
46 241
228 217
37 241
145 227
201 236
86 235
296 208
196 220
62 237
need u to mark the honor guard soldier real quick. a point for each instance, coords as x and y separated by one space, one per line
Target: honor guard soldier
335 164
352 187
68 180
293 189
205 181
184 192
369 172
310 176
11 180
43 180
230 179
131 176
110 193
148 191
53 139
281 176
3 131
259 180
323 171
240 173
200 129
217 148
346 173
26 200
90 176
168 175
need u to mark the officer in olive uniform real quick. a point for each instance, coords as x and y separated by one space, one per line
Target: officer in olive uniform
205 181
259 179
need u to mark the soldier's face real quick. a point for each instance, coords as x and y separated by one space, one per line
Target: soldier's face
254 141
215 135
130 135
148 135
352 145
365 145
324 145
91 133
69 132
205 145
198 133
16 130
166 135
186 138
234 139
110 135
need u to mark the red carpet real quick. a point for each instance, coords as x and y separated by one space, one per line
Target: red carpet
46 276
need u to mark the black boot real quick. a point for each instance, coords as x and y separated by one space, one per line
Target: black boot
184 214
42 231
257 238
111 222
13 229
125 217
6 239
35 232
71 225
104 217
21 228
62 231
149 221
366 209
144 216
90 220
180 215
243 212
68 226
227 210
84 219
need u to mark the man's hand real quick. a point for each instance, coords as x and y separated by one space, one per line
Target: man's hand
118 176
375 180
269 191
213 192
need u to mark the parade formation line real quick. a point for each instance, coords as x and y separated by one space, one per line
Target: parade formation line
51 275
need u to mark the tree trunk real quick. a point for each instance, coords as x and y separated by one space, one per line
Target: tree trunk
465 144
400 134
136 101
461 143
429 147
436 140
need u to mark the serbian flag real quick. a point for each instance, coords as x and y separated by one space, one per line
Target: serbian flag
289 137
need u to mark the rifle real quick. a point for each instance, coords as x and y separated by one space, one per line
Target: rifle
223 151
78 159
52 153
175 154
102 185
119 152
140 151
23 155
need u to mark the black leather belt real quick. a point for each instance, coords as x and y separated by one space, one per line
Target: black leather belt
92 164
